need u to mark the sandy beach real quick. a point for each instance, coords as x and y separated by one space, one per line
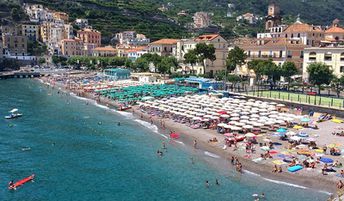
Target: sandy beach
309 179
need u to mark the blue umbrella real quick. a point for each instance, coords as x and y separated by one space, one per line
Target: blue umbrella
281 130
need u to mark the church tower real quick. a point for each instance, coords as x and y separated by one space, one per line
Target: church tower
273 18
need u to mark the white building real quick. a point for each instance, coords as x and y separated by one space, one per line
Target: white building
82 23
331 56
131 38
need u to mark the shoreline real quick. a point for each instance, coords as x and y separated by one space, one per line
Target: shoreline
321 184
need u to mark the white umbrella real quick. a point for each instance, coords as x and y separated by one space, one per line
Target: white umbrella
235 115
248 127
235 118
225 116
250 135
221 125
244 117
255 115
205 120
243 121
196 118
258 125
227 126
235 128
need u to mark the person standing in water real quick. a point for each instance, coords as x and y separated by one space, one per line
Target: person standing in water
195 144
217 182
164 145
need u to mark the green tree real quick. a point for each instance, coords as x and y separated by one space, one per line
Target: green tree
338 84
236 57
166 64
41 61
204 52
152 58
288 70
319 74
141 65
191 58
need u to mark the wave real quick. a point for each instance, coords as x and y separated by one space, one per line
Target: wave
180 142
211 154
153 127
251 173
126 114
285 183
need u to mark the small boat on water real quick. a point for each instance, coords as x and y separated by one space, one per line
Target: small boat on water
13 114
21 182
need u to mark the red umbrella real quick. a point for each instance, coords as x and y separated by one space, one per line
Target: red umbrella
174 135
222 112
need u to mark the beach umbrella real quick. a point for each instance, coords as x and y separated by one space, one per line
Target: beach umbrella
235 128
228 134
295 138
265 148
258 125
250 135
205 120
243 121
248 126
225 116
221 125
280 105
214 118
235 118
244 117
281 130
235 115
227 126
196 118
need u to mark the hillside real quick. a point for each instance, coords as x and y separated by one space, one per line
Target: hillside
111 16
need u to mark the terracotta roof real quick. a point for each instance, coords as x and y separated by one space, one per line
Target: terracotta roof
335 30
301 27
107 48
165 42
207 37
137 49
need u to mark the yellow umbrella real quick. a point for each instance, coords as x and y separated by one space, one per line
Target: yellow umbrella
333 145
298 127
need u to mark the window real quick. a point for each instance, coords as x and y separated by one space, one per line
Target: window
328 56
289 54
280 54
341 70
312 56
342 56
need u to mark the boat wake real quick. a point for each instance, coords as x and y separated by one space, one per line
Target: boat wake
211 154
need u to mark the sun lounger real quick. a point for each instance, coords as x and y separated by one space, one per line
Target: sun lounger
295 168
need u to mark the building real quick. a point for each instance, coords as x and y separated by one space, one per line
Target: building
221 52
306 34
331 56
71 47
31 31
61 16
14 45
131 38
163 47
333 35
107 51
137 52
117 73
90 36
248 17
273 19
201 20
82 23
279 50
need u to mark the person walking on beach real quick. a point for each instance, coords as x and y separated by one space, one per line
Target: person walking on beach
195 144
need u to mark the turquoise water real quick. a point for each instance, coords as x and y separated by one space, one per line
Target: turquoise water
75 158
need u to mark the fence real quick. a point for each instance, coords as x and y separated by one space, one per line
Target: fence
299 98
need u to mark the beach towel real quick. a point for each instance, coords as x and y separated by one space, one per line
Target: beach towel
295 168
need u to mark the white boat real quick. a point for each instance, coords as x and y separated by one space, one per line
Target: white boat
14 114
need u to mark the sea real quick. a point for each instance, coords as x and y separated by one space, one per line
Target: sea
79 150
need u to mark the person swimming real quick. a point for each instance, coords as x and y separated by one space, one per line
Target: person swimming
207 184
164 145
119 124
